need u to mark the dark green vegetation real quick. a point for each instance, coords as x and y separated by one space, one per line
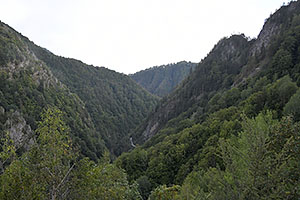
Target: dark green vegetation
230 130
163 79
102 107
52 169
27 86
115 103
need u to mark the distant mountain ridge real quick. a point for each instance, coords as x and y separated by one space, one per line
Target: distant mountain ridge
161 80
216 72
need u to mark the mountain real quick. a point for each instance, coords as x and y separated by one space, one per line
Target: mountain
232 62
230 130
28 86
102 106
220 133
161 80
115 102
215 73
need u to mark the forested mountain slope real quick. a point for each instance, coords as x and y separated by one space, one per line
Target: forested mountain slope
113 102
232 62
28 86
215 73
50 147
161 80
231 129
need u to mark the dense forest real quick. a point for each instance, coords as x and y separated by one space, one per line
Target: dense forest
229 130
113 104
161 80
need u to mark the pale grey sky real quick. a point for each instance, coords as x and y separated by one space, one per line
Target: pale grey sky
131 35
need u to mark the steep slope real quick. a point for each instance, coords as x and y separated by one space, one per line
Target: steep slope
27 86
214 73
114 102
161 80
237 113
230 64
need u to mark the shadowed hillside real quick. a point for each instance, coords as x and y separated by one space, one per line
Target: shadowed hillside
161 80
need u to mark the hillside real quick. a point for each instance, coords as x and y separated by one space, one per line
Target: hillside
28 87
232 63
113 103
215 73
231 129
52 146
161 80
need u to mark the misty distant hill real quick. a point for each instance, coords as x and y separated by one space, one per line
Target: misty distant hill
161 80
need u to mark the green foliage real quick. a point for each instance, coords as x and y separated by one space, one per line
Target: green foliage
213 137
11 47
245 159
165 193
219 101
272 96
135 163
259 163
24 95
8 150
144 186
193 187
282 61
284 148
102 181
52 170
115 103
20 182
165 164
279 93
54 154
27 86
45 169
209 77
172 159
226 144
293 107
106 105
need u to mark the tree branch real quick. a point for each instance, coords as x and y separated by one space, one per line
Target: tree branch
67 174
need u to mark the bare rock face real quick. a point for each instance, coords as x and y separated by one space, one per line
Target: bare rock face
19 131
150 130
21 59
269 30
273 26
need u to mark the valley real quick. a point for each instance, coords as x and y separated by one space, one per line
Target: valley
225 128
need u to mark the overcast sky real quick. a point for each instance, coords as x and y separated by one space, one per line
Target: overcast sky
131 35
